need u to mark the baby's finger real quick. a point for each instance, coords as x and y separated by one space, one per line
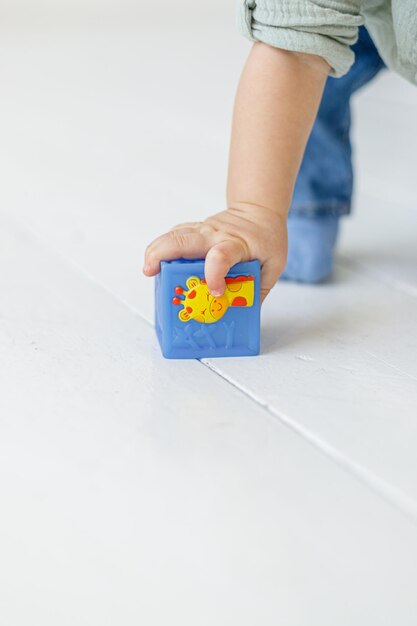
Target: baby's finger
220 258
270 273
175 244
186 226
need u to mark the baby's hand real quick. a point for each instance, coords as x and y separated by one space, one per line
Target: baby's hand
226 238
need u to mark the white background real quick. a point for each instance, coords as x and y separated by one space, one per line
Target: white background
275 490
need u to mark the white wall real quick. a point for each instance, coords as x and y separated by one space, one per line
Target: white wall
79 11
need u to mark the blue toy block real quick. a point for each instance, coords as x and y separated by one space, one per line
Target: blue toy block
192 324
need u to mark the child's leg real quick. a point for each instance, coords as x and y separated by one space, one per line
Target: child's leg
323 189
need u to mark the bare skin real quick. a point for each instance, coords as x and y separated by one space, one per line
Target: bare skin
276 103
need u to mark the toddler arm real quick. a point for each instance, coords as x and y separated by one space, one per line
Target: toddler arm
276 103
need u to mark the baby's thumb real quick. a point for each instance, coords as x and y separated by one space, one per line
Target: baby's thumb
220 258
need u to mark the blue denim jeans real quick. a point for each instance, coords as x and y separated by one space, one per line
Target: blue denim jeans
325 180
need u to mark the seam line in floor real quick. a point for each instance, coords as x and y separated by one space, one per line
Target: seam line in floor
390 494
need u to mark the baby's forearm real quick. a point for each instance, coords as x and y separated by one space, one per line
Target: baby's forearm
276 103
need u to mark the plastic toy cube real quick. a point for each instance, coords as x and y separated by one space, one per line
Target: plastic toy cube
193 324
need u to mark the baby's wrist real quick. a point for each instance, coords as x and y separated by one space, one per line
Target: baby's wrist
264 212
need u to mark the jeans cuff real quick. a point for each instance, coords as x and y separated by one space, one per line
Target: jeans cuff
335 209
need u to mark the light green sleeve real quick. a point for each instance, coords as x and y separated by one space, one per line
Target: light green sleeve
324 27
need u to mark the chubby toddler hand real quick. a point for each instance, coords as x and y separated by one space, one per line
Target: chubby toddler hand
226 238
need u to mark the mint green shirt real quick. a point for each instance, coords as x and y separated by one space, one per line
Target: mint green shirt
328 28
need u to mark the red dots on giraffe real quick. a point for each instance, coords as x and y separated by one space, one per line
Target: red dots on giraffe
179 290
239 301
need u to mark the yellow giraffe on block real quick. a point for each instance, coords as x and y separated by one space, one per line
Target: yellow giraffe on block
200 305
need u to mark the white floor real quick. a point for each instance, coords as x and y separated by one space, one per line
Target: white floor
134 490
